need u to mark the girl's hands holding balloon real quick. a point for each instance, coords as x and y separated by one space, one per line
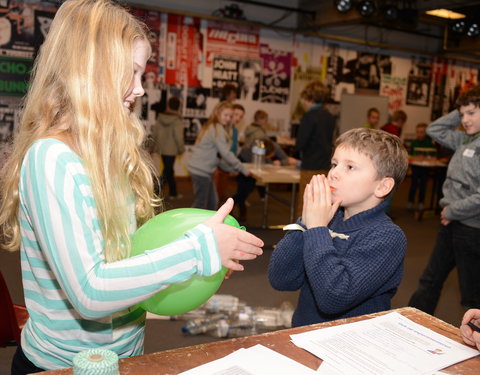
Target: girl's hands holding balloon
318 208
233 243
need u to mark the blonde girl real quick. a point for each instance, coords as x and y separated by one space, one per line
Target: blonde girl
212 145
77 185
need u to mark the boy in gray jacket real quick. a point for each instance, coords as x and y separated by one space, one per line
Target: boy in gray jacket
458 241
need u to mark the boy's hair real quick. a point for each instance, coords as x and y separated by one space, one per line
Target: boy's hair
174 103
421 125
315 92
239 106
399 115
386 151
67 87
227 89
468 97
259 115
371 110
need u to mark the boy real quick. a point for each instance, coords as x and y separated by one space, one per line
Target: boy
399 118
347 262
419 177
458 240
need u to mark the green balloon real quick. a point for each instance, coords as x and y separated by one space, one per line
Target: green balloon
162 229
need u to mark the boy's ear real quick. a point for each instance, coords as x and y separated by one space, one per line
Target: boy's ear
384 187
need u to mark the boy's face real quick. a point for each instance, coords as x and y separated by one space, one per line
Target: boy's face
421 132
373 118
354 179
237 116
470 115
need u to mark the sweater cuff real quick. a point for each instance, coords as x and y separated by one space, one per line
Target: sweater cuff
207 250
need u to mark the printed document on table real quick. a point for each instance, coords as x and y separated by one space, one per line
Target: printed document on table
389 344
257 360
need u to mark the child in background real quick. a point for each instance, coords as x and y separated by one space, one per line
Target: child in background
224 173
395 126
76 187
348 261
419 177
257 129
212 142
246 184
458 239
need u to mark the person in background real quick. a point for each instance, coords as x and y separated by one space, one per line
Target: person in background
395 126
76 186
228 93
212 144
458 240
470 336
419 176
314 141
257 129
168 142
346 261
246 184
373 117
224 173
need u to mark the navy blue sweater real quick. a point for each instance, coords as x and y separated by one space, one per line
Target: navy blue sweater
340 278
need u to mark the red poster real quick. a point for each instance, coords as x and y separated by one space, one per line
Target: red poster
232 40
183 50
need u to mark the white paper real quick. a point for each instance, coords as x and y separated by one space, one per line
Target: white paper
389 344
257 360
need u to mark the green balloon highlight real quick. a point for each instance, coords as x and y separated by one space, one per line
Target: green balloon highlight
162 229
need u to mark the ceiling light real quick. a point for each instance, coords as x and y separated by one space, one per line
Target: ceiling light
390 12
343 6
367 8
459 27
473 30
445 13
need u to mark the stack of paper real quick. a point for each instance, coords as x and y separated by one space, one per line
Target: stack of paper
389 344
256 360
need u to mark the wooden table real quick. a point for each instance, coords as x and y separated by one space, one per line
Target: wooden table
437 169
272 174
178 360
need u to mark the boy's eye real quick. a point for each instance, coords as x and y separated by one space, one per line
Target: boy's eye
350 167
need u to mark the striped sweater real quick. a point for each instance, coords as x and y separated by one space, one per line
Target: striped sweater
76 300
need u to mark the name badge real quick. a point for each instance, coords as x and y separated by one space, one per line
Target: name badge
468 153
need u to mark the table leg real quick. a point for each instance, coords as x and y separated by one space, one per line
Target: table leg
265 206
293 202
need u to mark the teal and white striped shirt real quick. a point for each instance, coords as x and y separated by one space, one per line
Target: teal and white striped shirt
76 300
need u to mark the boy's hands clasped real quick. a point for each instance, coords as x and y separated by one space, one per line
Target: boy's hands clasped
318 208
233 243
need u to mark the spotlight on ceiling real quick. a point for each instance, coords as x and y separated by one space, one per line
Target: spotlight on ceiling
459 27
390 13
343 6
473 30
366 8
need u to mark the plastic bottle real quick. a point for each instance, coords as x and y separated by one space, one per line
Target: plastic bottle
258 154
222 303
202 325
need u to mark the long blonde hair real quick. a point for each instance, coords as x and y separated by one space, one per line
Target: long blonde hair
80 77
213 119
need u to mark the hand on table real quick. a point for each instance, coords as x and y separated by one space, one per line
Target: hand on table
470 336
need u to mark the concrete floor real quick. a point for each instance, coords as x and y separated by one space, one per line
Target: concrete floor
252 285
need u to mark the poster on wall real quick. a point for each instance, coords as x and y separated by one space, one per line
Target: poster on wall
231 40
249 78
192 126
276 74
224 70
196 105
394 88
14 75
366 69
181 58
419 80
17 27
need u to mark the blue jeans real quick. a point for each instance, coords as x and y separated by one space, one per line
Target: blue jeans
456 245
205 195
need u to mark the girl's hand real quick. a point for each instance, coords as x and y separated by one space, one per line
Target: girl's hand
318 208
234 244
